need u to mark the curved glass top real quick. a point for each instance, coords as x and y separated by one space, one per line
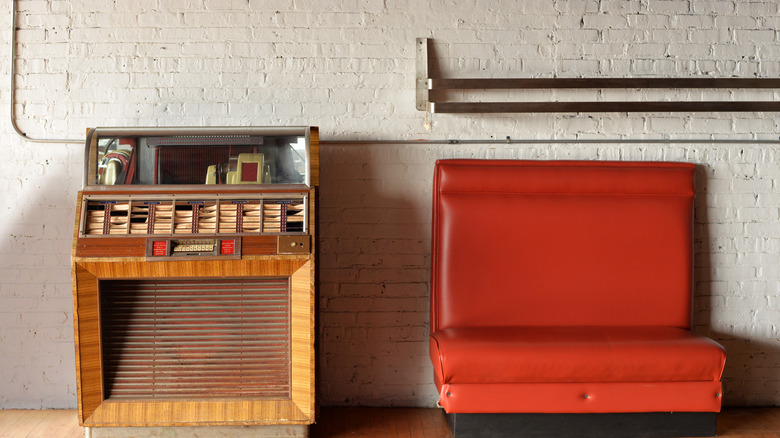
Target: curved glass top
197 156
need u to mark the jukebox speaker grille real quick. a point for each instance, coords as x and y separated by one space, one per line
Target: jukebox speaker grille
196 338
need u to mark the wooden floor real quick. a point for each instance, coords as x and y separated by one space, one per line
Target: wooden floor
369 422
33 424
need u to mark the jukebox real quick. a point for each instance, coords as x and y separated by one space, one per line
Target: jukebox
193 277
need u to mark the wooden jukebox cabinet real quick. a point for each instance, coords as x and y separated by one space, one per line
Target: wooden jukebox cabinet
193 277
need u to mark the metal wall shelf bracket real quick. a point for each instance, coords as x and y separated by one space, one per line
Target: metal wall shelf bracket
426 96
422 73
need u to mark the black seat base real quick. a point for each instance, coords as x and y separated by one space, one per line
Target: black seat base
635 425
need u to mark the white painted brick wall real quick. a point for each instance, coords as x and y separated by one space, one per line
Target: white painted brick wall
348 67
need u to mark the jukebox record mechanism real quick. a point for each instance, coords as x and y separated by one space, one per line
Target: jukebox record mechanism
211 216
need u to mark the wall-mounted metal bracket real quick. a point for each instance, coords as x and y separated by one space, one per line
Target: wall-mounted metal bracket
422 73
427 88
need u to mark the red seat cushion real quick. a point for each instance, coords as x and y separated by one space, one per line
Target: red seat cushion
574 354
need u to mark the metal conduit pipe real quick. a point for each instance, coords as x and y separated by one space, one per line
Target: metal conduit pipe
12 75
551 141
508 140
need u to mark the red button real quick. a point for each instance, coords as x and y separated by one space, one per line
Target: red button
227 247
160 248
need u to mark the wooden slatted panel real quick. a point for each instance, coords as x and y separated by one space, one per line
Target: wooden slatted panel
139 218
295 217
229 215
162 220
196 338
185 217
273 217
209 216
251 216
107 217
284 216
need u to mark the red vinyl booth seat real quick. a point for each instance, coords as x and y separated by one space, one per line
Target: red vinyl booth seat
566 287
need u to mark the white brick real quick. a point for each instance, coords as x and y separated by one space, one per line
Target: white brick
604 21
757 9
647 50
349 68
755 36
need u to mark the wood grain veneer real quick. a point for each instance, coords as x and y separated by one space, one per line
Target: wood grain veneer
314 155
117 257
95 410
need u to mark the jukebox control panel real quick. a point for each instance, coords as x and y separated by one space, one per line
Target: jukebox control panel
162 249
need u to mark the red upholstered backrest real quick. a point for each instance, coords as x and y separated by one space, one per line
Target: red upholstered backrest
561 243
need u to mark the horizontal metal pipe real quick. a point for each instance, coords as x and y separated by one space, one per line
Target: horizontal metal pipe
600 83
550 141
200 130
604 107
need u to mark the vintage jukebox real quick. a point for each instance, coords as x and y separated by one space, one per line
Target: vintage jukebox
194 277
